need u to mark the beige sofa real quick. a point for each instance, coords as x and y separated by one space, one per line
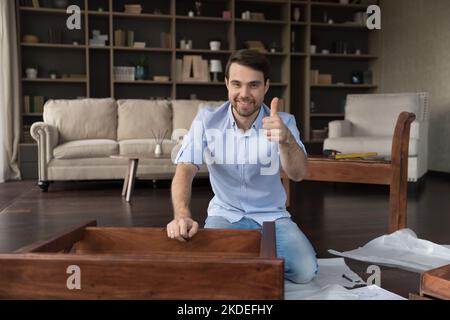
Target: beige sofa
78 137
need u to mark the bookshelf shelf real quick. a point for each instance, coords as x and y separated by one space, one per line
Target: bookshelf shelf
339 26
199 83
273 22
143 49
142 16
344 86
209 19
143 82
338 5
98 13
99 47
327 115
53 45
205 51
46 10
343 56
55 80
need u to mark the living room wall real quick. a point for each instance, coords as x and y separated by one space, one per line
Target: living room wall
415 48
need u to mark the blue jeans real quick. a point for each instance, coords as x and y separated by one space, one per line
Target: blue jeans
300 263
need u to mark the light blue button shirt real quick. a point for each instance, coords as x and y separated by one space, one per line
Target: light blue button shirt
243 166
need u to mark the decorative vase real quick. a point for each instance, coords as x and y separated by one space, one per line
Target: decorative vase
158 150
139 73
61 4
296 14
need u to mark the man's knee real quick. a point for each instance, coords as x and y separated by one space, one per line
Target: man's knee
302 271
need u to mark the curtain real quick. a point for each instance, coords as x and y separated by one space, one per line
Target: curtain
9 93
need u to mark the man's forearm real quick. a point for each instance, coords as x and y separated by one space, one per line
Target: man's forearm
181 193
293 160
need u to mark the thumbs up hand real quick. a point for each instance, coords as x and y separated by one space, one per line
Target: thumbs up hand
274 127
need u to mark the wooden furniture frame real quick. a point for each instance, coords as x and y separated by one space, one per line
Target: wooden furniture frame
393 173
143 263
435 283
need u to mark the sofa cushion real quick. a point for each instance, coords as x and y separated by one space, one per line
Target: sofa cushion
137 118
184 112
90 148
381 145
144 146
82 118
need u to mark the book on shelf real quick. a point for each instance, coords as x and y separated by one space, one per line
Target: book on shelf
178 70
36 4
26 135
124 38
194 68
33 104
165 40
130 38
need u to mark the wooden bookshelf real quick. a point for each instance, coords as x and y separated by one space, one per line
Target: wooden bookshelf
291 62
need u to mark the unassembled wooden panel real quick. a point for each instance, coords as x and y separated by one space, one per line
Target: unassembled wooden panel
148 240
44 276
436 283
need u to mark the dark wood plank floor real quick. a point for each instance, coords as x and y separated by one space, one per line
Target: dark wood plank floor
333 216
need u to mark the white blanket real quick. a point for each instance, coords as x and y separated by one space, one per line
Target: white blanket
401 249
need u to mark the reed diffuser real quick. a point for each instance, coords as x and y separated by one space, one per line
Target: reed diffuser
159 137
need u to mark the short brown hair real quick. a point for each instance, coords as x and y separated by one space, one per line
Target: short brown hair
249 58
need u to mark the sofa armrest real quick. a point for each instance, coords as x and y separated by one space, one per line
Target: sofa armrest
47 138
339 128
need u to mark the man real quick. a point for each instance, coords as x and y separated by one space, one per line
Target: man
248 190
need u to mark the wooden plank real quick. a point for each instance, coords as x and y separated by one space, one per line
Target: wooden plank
349 171
268 247
399 177
44 276
436 283
148 240
63 241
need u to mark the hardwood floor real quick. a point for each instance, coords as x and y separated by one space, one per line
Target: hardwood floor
333 216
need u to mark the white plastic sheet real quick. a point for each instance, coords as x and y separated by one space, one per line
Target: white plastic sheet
401 249
329 284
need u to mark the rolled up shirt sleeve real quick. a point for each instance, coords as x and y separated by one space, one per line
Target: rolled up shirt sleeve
194 143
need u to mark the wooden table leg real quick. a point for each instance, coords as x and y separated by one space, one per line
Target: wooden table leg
398 198
132 178
127 176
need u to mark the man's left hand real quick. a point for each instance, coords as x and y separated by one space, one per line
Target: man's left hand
274 127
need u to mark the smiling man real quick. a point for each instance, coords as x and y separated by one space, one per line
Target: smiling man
235 138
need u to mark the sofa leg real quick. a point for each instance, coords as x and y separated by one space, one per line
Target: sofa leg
44 185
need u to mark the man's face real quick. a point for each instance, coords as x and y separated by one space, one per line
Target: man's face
246 89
